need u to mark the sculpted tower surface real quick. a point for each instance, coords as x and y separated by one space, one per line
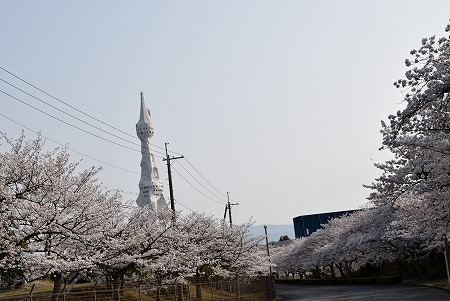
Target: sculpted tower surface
150 185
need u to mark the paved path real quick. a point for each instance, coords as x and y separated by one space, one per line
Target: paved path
291 292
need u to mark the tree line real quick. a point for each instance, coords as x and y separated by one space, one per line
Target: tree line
58 223
408 214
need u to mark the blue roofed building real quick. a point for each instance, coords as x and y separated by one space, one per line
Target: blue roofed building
305 225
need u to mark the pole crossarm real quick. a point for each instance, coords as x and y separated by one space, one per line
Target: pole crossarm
173 158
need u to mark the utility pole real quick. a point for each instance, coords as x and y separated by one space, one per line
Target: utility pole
169 172
267 248
228 208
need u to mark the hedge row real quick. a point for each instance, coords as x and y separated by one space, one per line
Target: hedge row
342 281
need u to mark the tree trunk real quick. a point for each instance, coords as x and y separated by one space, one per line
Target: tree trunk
180 293
399 268
198 287
333 275
57 282
341 270
117 286
316 272
115 289
158 293
348 267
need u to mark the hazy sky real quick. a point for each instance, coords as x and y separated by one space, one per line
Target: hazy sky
277 102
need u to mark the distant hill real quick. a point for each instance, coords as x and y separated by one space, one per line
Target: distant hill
273 231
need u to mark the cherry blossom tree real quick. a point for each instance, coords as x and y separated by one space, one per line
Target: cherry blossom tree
287 259
409 211
56 221
48 210
341 246
418 136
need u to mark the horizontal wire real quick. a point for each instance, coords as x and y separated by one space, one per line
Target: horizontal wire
67 123
60 144
120 190
108 164
204 178
197 188
87 156
196 170
185 207
68 114
201 183
128 206
174 152
72 107
37 88
56 89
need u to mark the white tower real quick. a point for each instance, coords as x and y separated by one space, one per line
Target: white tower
150 185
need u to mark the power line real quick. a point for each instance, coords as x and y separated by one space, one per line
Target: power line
87 156
114 166
103 162
60 144
222 203
201 183
205 179
185 207
72 107
196 170
120 190
67 123
62 92
108 140
57 99
97 136
68 114
176 153
235 212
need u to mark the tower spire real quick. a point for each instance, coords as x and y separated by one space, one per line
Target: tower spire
145 116
142 106
150 185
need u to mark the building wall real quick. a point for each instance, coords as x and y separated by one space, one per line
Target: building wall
305 225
